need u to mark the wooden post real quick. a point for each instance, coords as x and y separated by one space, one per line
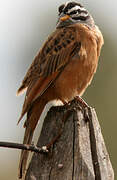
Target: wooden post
79 153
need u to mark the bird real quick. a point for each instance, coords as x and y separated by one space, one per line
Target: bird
62 69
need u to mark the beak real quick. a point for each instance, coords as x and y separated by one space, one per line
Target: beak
63 21
64 18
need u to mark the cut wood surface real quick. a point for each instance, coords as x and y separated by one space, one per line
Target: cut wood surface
79 153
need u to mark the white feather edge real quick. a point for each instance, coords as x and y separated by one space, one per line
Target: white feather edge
76 8
21 92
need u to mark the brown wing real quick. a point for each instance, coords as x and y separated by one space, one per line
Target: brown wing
54 55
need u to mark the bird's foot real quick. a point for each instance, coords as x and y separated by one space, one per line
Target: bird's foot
81 102
83 106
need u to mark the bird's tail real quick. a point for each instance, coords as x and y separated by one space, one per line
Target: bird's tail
33 116
24 154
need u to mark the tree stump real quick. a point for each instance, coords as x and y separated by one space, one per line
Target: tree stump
78 154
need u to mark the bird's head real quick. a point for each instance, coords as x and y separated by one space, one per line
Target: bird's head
73 13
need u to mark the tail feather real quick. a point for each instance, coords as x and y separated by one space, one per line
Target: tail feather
33 116
24 154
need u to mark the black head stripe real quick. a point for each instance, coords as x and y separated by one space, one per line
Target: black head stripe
82 18
60 9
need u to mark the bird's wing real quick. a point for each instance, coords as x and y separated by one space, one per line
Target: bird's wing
57 51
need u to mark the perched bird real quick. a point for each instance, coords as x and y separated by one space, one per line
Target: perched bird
62 69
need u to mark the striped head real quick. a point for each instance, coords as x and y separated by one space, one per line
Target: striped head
72 13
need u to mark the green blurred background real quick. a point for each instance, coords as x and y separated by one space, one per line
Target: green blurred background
24 25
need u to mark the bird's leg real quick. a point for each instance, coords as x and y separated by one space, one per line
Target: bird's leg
54 140
84 106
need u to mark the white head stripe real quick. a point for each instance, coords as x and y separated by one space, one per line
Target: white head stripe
76 8
67 3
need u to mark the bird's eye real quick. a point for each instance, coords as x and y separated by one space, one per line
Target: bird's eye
60 9
73 12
